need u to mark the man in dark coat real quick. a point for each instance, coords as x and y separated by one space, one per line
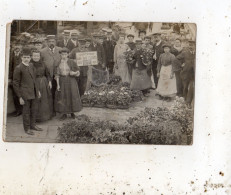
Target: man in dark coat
109 46
27 91
158 49
50 56
187 59
95 46
73 41
82 79
63 42
176 49
15 60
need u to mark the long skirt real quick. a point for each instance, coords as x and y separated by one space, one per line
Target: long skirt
67 100
122 70
140 80
44 108
166 85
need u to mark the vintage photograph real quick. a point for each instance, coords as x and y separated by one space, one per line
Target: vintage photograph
100 82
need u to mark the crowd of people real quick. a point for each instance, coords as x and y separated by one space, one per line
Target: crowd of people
46 78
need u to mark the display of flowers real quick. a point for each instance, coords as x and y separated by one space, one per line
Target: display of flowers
147 56
129 55
112 95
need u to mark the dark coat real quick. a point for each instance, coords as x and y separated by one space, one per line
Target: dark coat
70 45
24 82
176 66
61 43
132 45
158 49
188 59
109 47
50 59
14 61
100 53
83 69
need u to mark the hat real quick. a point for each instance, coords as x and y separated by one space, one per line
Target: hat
88 39
51 37
130 35
26 51
64 50
104 29
95 35
122 35
36 40
138 40
66 32
191 42
158 34
166 45
147 37
142 31
82 40
109 30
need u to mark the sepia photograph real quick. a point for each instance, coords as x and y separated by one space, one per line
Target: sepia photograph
100 82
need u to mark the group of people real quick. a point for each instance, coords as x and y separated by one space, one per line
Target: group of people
46 78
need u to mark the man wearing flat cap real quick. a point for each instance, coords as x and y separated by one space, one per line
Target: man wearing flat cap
82 79
96 46
158 50
63 43
187 60
73 41
50 56
109 46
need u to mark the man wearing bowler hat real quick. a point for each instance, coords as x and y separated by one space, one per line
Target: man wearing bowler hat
109 46
50 56
158 50
66 36
27 91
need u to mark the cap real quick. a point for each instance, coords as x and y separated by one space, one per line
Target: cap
36 40
157 34
95 35
51 37
82 40
88 39
138 40
66 32
147 37
26 51
109 31
64 50
142 31
130 35
166 45
122 35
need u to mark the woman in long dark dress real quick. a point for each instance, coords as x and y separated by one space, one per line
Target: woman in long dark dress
67 95
43 80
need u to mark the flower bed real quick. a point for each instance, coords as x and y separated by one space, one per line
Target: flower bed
150 126
114 95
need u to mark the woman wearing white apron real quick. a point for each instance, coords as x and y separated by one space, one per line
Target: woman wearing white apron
167 82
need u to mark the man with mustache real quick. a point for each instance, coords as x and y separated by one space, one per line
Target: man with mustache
50 57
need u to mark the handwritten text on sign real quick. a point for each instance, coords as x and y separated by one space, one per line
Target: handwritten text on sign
87 58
